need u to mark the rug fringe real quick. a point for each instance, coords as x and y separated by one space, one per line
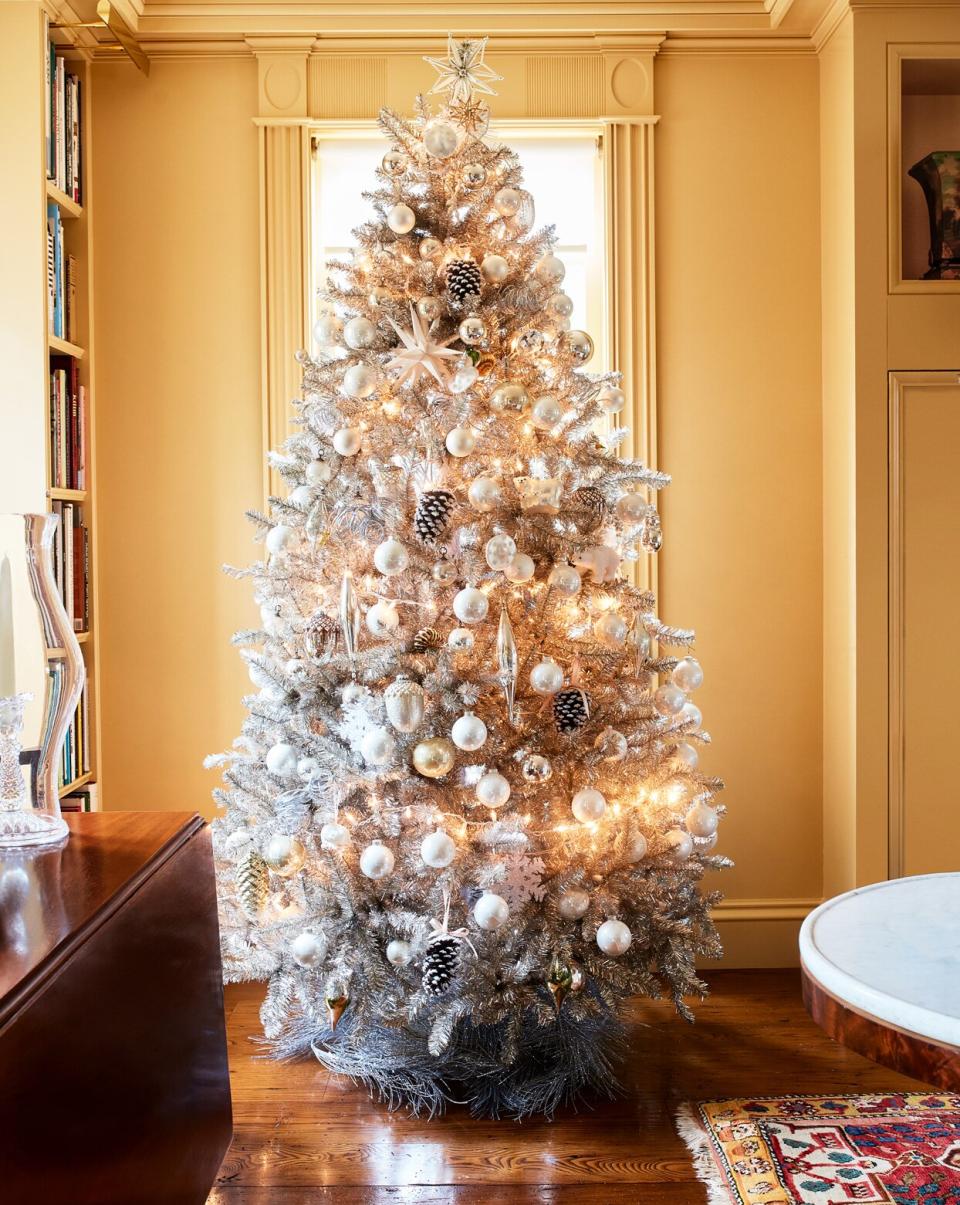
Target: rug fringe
704 1164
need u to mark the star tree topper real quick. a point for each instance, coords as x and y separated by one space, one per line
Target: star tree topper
463 71
421 355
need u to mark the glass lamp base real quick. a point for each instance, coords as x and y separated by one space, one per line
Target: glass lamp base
24 827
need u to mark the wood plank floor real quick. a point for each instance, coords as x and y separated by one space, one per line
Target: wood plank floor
301 1136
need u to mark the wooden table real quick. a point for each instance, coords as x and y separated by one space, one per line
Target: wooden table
113 1061
881 974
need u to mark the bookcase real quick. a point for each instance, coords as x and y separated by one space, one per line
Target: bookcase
70 398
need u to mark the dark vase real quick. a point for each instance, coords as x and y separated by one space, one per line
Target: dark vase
938 174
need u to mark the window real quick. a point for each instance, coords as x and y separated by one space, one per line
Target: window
562 168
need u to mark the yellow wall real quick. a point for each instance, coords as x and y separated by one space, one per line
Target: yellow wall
738 300
178 415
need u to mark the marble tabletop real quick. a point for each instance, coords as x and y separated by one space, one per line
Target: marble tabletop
892 952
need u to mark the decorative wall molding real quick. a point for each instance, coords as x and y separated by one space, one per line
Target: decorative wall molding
764 909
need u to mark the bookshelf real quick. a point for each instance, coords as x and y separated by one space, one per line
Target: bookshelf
70 404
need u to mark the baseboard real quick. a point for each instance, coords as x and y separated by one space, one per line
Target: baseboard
760 932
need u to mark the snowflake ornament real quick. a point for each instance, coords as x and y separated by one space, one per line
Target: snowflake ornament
463 71
421 356
523 880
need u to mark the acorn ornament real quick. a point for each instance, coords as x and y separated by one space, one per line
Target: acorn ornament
571 710
464 281
404 701
432 515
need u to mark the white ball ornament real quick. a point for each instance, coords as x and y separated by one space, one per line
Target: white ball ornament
383 619
546 677
307 767
440 139
301 496
565 580
494 268
688 674
399 953
390 557
611 399
351 692
573 904
546 412
690 714
521 568
491 911
346 441
701 820
359 381
438 849
469 733
461 441
589 805
631 508
284 855
507 202
614 938
688 754
377 861
610 629
282 760
484 494
669 699
492 790
470 605
549 269
460 640
327 330
318 472
401 219
636 848
499 551
279 539
377 747
359 333
679 845
307 949
334 836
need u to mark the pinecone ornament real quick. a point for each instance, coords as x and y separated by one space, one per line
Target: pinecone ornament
427 639
571 710
252 875
589 499
433 514
441 962
463 281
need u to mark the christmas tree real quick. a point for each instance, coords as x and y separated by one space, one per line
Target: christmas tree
464 820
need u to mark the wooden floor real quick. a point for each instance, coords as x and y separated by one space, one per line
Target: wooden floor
301 1136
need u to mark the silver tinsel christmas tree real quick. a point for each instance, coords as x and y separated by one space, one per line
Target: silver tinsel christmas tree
464 820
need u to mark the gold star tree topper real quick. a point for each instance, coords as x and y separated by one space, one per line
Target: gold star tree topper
463 71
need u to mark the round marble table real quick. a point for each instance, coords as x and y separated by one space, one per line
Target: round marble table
881 974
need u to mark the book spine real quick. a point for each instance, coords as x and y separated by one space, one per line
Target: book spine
74 427
70 309
47 117
78 578
68 558
62 426
75 142
82 438
78 190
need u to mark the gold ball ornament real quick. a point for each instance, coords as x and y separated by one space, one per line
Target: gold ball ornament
434 757
284 855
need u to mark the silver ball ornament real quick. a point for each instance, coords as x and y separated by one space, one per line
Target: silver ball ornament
536 769
610 629
611 399
394 163
701 820
509 396
359 381
318 472
521 569
559 305
473 175
327 330
573 904
281 760
334 836
690 714
507 202
688 674
377 747
549 269
434 757
429 308
484 494
399 953
546 677
472 330
461 441
687 754
359 333
460 640
346 441
383 619
632 508
679 844
579 344
440 139
284 855
307 950
546 412
669 699
444 572
565 580
429 247
494 268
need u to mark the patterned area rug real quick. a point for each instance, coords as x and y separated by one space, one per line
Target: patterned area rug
782 1150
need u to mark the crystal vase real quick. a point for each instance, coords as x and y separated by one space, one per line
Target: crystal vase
41 680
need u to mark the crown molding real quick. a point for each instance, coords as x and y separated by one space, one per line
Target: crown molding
726 47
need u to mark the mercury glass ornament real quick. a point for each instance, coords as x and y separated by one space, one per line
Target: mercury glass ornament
334 836
469 732
359 333
688 674
472 330
399 953
401 219
507 202
377 747
499 551
521 569
509 396
701 820
495 269
687 754
429 247
284 855
484 494
669 699
636 849
429 308
579 344
679 844
359 381
610 629
461 441
631 508
377 861
460 640
573 904
588 805
394 163
614 938
565 580
404 701
690 714
549 269
470 605
434 757
391 557
611 745
611 399
383 618
444 573
559 305
473 175
346 441
491 911
536 769
492 790
327 330
440 138
546 412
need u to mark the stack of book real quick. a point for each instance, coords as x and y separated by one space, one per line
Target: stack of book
61 279
68 444
84 799
63 125
71 563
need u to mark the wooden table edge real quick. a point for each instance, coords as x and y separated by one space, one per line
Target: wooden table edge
50 965
881 1041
